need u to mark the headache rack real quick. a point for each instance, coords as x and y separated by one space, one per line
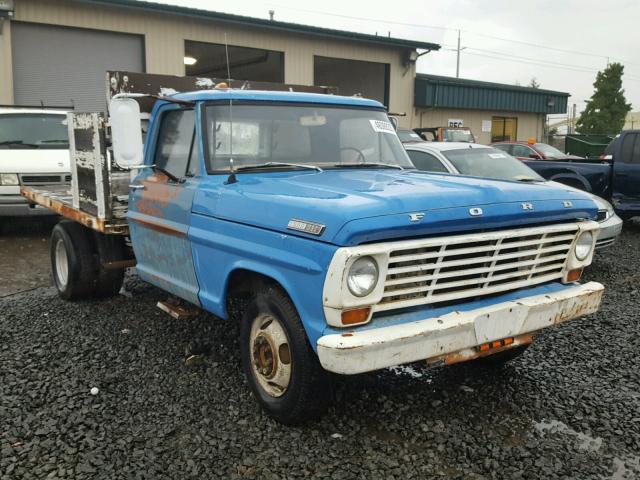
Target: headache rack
98 194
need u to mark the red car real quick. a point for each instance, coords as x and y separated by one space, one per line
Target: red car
532 150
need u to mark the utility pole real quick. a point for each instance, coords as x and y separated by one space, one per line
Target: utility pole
458 57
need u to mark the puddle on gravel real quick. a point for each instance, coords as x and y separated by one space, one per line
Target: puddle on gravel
410 371
622 468
585 442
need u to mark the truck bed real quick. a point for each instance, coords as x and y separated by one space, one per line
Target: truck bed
59 199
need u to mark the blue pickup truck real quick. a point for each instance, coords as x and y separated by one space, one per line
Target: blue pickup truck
300 216
614 177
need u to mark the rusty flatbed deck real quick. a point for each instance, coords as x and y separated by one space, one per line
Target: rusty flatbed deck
59 199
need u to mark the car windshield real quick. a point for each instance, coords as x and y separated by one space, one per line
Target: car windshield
549 151
33 130
408 136
326 137
457 136
490 163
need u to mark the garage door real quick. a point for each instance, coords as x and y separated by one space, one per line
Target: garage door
63 66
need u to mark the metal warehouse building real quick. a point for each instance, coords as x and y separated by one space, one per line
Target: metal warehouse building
56 52
494 111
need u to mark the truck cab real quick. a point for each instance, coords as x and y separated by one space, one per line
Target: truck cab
300 217
34 150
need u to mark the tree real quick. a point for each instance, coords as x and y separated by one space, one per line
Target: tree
534 83
607 108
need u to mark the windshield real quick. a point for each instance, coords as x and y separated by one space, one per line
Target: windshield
303 134
33 130
457 136
408 136
549 151
490 163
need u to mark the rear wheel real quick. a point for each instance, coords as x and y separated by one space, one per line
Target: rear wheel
282 370
109 248
73 262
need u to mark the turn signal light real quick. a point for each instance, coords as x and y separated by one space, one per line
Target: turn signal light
574 275
353 317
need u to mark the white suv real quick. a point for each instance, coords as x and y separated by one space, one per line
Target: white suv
34 150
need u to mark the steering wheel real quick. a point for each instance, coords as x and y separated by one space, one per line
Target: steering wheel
361 156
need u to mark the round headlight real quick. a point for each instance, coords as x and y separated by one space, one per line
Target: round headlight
584 245
363 276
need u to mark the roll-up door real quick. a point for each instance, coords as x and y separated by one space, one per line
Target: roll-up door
66 66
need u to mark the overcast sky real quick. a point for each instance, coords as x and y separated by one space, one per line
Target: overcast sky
588 31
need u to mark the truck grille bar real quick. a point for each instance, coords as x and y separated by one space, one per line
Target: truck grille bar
449 269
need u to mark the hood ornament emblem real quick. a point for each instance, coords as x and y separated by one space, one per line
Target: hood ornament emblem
416 217
475 212
311 228
527 206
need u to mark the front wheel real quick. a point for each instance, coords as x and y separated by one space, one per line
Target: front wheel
282 370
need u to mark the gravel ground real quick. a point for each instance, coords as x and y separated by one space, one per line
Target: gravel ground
568 408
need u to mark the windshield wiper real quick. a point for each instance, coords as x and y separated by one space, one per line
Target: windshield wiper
367 165
277 164
19 143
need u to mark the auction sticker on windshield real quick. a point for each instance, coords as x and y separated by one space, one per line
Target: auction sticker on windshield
381 126
497 155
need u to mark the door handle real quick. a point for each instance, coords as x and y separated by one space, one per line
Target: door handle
137 187
619 174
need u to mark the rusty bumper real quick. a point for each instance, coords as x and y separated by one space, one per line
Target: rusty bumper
455 333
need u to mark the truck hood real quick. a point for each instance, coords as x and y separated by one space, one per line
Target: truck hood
34 161
358 206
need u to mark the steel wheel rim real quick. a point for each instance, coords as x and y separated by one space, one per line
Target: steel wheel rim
62 263
270 355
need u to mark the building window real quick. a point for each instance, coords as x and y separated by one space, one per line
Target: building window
353 77
210 60
504 129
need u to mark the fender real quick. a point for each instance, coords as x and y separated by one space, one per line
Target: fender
298 264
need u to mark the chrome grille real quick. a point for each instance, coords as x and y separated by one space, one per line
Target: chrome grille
448 269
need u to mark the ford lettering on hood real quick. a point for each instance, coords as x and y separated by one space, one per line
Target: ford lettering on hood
403 204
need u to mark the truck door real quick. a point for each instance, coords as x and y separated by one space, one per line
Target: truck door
160 207
626 172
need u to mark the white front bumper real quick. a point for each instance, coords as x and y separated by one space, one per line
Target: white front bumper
366 350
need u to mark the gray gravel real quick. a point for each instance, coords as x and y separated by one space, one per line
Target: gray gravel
568 408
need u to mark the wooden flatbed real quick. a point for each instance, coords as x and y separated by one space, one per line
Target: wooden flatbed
59 199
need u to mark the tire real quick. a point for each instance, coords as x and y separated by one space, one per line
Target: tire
501 358
109 248
73 262
282 369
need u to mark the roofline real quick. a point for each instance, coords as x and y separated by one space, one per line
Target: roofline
482 84
271 24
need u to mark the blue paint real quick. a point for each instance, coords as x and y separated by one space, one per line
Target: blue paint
225 228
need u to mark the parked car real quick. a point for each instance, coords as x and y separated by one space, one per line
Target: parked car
446 134
614 177
409 136
301 217
487 162
533 151
34 150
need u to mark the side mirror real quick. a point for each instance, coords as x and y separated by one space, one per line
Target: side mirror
535 156
126 132
394 122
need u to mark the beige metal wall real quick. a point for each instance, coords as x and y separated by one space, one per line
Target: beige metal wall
529 124
164 43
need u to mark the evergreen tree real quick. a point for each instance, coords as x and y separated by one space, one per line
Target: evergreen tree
534 83
606 110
